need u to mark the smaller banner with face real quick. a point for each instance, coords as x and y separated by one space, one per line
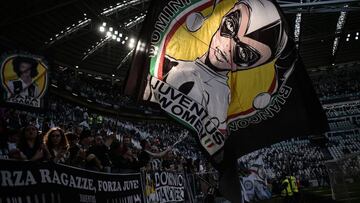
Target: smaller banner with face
24 79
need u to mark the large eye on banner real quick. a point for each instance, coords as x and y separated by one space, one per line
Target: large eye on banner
24 79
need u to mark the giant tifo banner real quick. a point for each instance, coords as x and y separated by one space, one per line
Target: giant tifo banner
49 182
24 79
164 186
227 69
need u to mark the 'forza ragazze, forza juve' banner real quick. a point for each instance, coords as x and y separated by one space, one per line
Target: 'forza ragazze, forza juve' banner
227 69
49 182
24 79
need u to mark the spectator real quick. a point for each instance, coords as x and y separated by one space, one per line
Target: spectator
101 151
74 150
57 144
30 146
9 138
121 158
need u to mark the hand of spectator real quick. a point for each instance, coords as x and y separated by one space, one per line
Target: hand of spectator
46 151
167 150
17 154
38 155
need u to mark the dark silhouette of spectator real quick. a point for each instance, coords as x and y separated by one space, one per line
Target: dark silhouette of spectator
101 151
30 145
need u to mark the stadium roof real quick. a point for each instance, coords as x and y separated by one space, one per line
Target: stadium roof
68 32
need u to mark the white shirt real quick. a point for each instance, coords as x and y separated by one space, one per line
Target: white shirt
210 88
24 90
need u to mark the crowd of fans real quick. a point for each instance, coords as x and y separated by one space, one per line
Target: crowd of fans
306 160
344 142
295 157
72 135
351 167
337 84
102 91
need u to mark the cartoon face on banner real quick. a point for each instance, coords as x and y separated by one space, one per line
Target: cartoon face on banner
24 78
222 59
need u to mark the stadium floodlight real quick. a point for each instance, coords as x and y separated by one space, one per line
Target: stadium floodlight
118 39
347 39
123 42
111 29
76 67
102 29
132 40
113 75
108 34
356 38
116 32
120 34
126 38
104 24
114 37
131 45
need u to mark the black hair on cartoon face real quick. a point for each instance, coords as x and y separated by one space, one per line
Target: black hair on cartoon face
250 34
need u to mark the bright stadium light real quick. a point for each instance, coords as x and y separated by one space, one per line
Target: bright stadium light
102 29
110 29
104 24
132 40
116 32
123 42
131 45
114 37
108 34
118 39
